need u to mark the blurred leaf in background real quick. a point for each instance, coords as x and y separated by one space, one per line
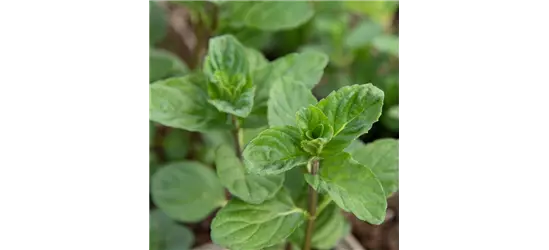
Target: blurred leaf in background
210 142
176 144
164 64
166 234
157 23
379 11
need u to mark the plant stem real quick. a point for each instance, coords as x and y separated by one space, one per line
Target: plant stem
238 137
313 196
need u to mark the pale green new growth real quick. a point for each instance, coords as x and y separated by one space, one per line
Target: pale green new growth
351 110
305 67
230 85
186 191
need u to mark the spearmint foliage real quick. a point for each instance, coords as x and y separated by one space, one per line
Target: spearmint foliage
306 143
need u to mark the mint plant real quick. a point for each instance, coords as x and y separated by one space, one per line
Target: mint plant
289 162
314 139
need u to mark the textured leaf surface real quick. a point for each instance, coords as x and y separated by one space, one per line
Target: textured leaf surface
330 227
163 64
240 225
352 186
165 234
226 54
278 15
250 188
230 86
351 110
274 151
187 191
286 97
183 103
313 123
306 67
381 156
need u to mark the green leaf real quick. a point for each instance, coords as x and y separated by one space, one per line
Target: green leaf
210 142
294 182
306 67
163 64
356 144
240 225
183 103
165 234
275 151
379 11
352 186
158 23
390 118
286 97
387 44
278 15
394 112
153 163
381 156
281 246
233 13
250 188
250 133
363 34
225 54
329 228
187 191
256 60
230 87
313 123
315 129
176 144
351 111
